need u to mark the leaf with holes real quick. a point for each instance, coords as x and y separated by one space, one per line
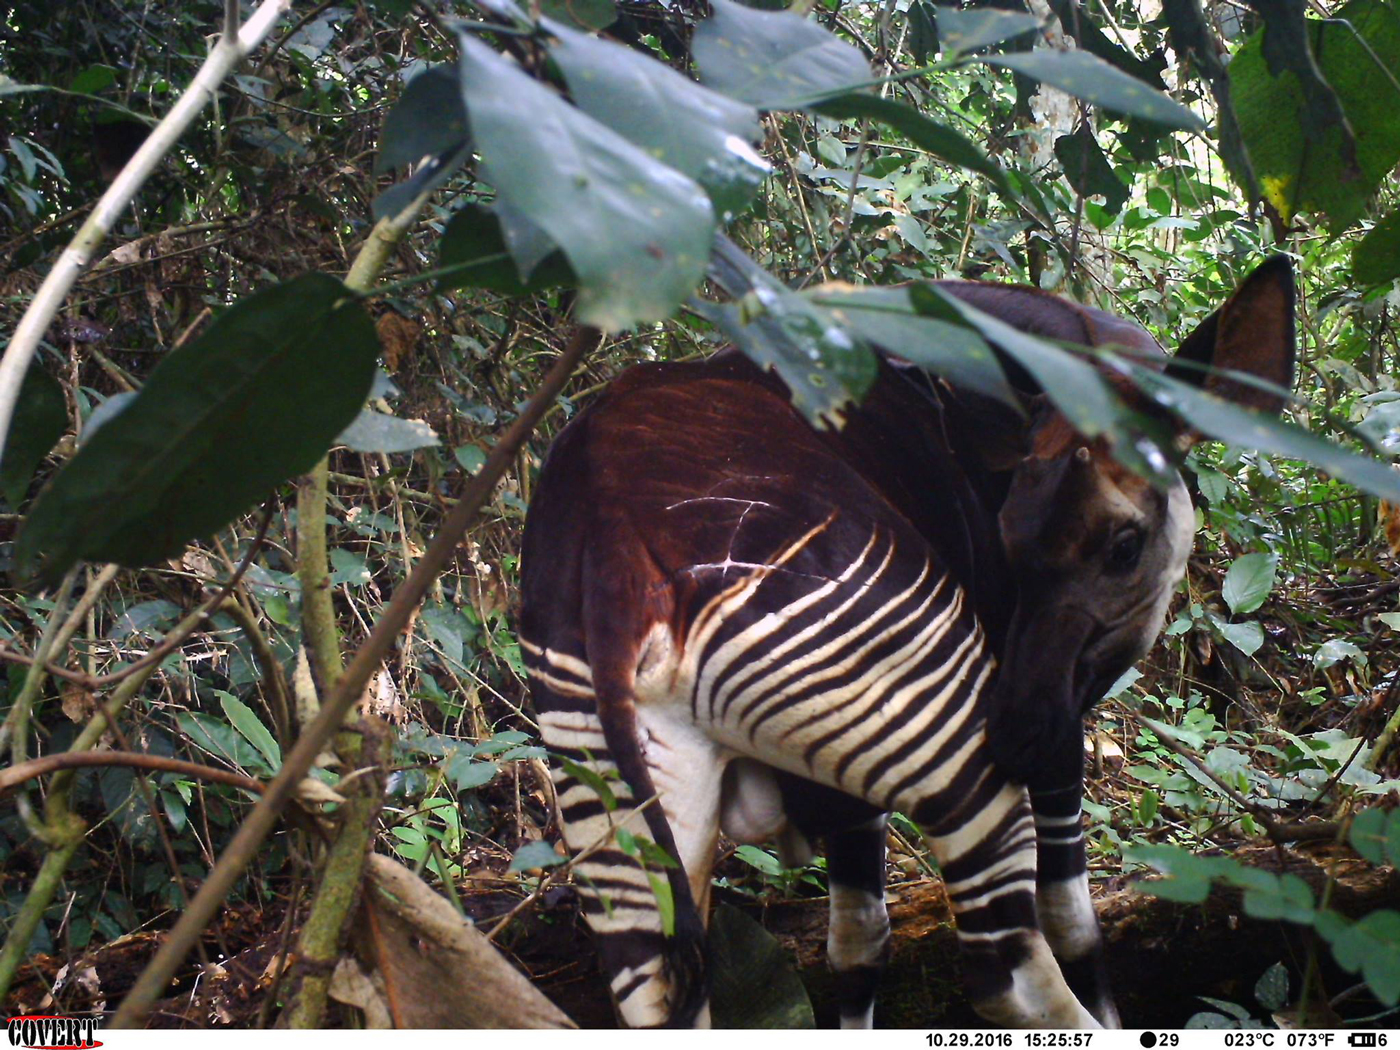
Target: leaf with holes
773 59
636 232
1091 78
254 401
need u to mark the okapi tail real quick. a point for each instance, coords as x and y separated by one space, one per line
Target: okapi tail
639 903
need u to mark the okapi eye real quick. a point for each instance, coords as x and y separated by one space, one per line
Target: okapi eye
1126 549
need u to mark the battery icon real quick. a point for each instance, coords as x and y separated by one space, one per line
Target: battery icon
1361 1039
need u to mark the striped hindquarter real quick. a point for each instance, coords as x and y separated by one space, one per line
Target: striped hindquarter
865 674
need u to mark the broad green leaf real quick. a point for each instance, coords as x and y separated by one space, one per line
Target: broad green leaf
1335 650
1248 582
886 318
665 902
939 139
1247 637
690 128
427 120
474 246
377 432
967 29
1368 835
255 400
219 739
1072 384
1376 257
824 367
467 773
1187 876
636 232
1372 946
1301 175
1269 896
251 727
754 984
1215 417
773 59
587 775
40 417
1271 990
1089 77
1088 170
586 14
535 855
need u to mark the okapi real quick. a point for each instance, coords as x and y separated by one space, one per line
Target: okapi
734 621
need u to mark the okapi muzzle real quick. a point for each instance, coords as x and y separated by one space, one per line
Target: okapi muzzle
1097 552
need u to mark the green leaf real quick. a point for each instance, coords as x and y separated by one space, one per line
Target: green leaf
1371 946
535 855
1247 637
1335 650
1218 418
885 317
773 59
754 983
470 458
586 14
1298 173
586 775
636 232
427 120
970 28
1269 896
1187 877
1248 582
219 739
1271 990
474 246
1074 386
690 128
1376 257
940 140
466 773
1088 170
373 431
40 418
823 366
665 902
1091 78
1368 835
255 400
251 727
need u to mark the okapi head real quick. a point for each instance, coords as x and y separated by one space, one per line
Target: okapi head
1097 551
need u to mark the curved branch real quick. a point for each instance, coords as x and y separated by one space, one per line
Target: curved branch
38 767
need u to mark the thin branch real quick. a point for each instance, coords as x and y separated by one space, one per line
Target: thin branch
38 767
225 55
155 979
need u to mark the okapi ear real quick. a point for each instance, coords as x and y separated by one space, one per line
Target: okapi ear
1252 333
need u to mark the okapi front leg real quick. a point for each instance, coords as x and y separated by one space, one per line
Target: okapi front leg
858 931
987 852
1062 899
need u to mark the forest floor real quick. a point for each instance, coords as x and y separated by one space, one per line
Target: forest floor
1163 957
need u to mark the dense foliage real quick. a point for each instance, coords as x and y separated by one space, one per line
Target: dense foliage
527 177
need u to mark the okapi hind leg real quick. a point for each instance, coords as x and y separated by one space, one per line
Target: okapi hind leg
1062 899
858 933
986 849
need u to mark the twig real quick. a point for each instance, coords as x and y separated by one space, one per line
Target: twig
339 698
231 48
38 767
